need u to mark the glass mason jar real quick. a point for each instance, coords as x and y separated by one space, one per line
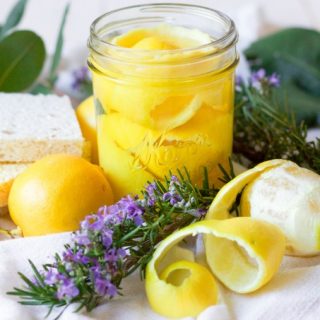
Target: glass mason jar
163 80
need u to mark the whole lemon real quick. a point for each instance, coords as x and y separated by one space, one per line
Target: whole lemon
55 193
87 119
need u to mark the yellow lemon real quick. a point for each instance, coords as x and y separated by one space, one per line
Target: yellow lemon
219 209
87 119
55 193
243 253
289 197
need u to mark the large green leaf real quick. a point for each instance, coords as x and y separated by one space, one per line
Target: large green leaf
22 55
13 18
294 54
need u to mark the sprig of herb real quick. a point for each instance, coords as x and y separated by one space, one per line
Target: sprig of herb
114 242
263 131
13 18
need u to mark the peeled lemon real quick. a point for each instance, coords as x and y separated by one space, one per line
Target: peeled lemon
55 193
280 192
243 253
219 209
289 197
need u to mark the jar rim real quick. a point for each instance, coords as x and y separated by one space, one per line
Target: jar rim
229 37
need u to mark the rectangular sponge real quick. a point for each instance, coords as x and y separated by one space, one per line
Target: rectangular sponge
32 126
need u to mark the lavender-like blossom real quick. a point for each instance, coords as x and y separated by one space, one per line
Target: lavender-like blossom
81 239
107 237
259 79
132 209
274 80
114 255
151 189
105 287
52 276
80 76
67 290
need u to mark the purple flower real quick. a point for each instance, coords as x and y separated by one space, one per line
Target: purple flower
114 255
260 78
172 197
67 290
131 209
78 256
94 222
52 276
274 80
150 189
107 237
80 76
105 287
174 179
81 238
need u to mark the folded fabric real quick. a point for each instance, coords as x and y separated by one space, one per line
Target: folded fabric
293 293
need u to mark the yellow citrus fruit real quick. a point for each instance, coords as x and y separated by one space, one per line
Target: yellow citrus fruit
55 193
87 119
289 197
243 253
219 209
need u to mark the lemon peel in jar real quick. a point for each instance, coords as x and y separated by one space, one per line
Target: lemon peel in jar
246 255
192 145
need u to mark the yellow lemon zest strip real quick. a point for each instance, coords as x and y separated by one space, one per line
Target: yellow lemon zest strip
245 256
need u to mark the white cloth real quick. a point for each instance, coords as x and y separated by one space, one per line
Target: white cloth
292 294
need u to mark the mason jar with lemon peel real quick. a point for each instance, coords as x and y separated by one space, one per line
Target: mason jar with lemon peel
163 79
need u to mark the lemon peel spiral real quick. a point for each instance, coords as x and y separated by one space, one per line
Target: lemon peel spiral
243 253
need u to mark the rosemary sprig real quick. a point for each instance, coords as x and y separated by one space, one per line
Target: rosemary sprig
114 242
264 131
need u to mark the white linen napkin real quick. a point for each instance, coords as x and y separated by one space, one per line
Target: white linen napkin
293 294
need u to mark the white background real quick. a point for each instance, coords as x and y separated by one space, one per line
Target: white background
44 16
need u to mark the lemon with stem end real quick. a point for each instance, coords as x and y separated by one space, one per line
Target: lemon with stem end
55 193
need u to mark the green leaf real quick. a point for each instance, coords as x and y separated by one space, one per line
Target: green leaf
13 18
58 50
22 55
294 54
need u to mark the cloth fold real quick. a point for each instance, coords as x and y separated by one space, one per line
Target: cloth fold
292 294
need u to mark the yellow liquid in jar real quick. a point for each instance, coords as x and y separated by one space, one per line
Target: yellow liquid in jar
162 120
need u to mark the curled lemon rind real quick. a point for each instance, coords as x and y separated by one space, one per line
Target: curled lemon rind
260 260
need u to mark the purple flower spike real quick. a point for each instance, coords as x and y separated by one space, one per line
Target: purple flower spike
81 239
258 76
67 290
107 237
52 277
80 76
104 286
274 80
131 209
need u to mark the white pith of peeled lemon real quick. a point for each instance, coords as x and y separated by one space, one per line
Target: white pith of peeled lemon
289 197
